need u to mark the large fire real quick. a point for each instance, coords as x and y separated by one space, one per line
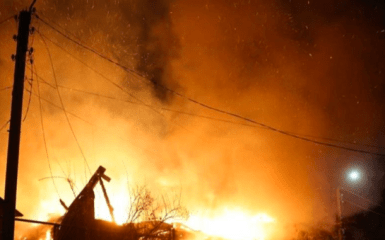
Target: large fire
280 63
231 223
120 202
234 224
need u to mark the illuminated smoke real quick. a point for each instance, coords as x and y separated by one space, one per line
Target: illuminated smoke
300 66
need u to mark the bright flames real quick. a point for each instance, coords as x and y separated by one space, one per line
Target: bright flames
48 235
120 202
231 224
234 224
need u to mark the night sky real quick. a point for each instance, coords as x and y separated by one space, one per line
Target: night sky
313 69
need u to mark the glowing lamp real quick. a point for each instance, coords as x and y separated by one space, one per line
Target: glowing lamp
354 175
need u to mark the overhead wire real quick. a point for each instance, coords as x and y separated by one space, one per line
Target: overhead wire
4 125
339 141
109 80
47 83
43 130
51 103
37 15
88 66
143 104
40 98
62 104
147 105
132 102
6 88
56 106
160 108
45 178
71 182
43 80
30 81
357 195
363 208
65 178
181 112
290 134
89 48
6 19
132 143
68 179
41 35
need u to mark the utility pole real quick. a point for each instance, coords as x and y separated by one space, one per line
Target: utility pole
339 217
15 126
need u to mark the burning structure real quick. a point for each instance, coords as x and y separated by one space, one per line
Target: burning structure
79 222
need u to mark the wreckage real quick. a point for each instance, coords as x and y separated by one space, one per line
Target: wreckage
79 221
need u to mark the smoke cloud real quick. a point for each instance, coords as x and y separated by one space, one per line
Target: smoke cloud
310 67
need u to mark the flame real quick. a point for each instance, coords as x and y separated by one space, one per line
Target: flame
48 235
119 200
234 224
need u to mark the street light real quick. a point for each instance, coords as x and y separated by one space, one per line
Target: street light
353 176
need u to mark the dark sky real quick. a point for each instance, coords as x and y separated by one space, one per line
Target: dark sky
314 68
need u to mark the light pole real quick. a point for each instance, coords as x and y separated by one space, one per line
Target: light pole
339 214
354 176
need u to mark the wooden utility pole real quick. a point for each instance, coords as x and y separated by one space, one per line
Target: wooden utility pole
339 217
15 126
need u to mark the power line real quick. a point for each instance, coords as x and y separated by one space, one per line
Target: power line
131 102
136 103
68 180
88 66
42 128
301 135
53 104
8 18
338 141
107 79
363 208
290 134
99 95
62 104
198 116
76 116
357 195
57 25
30 81
43 80
163 108
90 49
6 88
144 150
4 125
